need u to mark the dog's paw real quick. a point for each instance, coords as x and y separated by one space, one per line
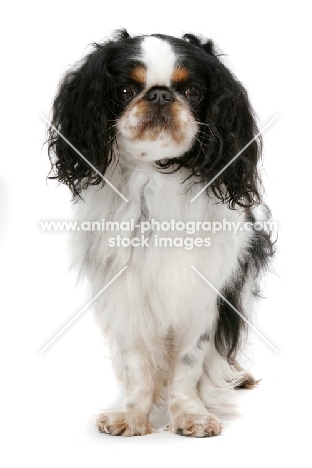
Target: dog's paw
126 424
196 425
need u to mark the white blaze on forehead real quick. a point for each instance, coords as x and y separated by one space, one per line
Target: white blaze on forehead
159 58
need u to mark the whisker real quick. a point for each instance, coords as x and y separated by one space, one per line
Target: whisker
200 143
113 137
211 132
202 123
109 128
116 103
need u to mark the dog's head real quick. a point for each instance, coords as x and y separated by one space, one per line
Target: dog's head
161 100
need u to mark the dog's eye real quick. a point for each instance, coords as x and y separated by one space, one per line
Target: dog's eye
193 94
126 92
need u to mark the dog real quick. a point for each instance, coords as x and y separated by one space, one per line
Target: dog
149 130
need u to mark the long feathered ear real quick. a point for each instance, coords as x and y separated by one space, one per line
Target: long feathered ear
82 114
231 123
227 125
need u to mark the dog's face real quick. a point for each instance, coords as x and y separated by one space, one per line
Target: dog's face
160 100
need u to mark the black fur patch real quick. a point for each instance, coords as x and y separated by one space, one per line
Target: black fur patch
231 327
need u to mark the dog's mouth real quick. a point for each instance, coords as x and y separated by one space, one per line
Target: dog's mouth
159 115
156 122
157 131
149 122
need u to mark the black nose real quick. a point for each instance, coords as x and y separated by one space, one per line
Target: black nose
159 95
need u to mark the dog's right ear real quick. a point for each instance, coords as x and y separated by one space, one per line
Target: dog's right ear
82 115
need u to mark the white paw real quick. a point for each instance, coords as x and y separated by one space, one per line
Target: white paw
126 424
196 425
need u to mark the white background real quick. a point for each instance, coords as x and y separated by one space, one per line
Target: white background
49 401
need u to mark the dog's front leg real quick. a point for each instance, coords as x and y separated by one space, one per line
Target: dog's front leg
135 370
188 415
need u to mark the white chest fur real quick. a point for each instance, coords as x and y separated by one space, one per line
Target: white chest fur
159 290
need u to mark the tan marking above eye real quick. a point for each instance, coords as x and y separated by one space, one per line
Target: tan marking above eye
138 74
180 74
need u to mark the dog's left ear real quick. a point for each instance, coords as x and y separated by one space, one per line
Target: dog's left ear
208 46
234 127
228 125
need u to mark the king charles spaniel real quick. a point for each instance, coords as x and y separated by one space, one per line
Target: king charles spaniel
149 131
